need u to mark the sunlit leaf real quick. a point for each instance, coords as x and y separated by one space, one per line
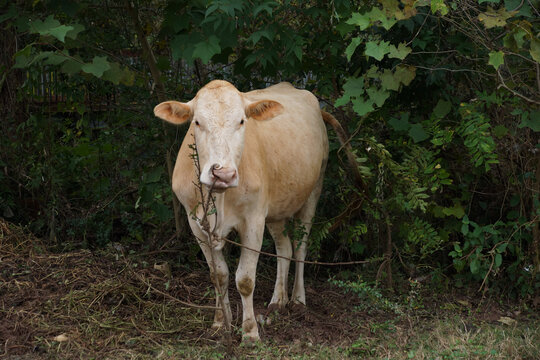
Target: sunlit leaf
388 81
405 74
362 107
496 59
349 51
400 52
360 20
494 18
439 5
378 96
377 49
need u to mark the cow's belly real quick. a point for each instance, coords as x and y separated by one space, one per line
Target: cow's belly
286 200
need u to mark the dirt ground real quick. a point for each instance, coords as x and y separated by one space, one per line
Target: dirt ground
108 304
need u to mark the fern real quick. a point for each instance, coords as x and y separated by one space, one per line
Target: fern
422 239
477 137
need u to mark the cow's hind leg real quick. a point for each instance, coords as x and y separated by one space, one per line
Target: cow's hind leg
305 215
219 274
284 249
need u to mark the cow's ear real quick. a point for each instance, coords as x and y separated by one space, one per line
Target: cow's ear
264 109
174 112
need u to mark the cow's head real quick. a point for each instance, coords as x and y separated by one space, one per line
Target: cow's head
220 113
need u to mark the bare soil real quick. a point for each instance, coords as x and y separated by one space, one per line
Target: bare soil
107 304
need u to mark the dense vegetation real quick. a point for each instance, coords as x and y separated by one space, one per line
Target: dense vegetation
441 99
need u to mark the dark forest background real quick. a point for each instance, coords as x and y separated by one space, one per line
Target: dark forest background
440 98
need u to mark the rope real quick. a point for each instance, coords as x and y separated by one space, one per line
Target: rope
305 261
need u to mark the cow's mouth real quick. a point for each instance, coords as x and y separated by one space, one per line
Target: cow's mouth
219 187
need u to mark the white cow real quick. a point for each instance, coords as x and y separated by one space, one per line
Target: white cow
264 152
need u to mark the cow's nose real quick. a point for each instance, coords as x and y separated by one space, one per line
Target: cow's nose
223 176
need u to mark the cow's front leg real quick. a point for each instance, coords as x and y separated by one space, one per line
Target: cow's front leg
251 234
219 274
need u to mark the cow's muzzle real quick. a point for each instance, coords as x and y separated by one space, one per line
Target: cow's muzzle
223 177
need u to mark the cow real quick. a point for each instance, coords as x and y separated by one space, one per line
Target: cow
263 154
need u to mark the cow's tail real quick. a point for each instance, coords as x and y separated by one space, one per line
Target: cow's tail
345 145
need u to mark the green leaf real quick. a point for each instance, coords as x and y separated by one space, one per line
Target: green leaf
401 124
362 107
439 5
532 121
498 260
494 18
77 28
535 49
361 20
496 59
257 35
475 266
388 81
417 133
377 14
400 52
154 175
50 27
56 58
354 87
405 74
98 66
388 23
71 67
500 131
264 7
442 108
114 74
60 32
207 48
378 96
377 49
457 211
349 51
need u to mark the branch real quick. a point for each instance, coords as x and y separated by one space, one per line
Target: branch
503 84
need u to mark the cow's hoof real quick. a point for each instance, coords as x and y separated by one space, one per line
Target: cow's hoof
297 307
277 307
250 341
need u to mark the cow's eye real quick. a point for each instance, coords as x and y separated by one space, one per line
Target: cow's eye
197 123
242 122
